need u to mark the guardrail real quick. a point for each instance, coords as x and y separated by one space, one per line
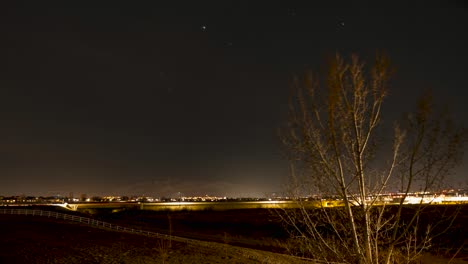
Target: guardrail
83 220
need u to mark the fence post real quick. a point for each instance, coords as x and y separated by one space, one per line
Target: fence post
80 219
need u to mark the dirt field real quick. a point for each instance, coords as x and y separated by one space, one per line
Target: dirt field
32 239
254 228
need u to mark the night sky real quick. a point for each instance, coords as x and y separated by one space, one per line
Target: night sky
168 97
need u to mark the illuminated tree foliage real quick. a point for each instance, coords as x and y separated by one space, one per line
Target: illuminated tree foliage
332 140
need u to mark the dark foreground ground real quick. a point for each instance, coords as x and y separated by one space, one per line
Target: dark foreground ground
263 229
34 239
28 239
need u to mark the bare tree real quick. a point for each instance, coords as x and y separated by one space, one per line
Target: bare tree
332 138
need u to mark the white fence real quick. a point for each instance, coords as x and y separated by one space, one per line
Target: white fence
83 220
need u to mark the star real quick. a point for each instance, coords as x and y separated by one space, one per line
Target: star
203 28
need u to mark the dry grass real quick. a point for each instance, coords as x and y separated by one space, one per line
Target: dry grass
27 239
